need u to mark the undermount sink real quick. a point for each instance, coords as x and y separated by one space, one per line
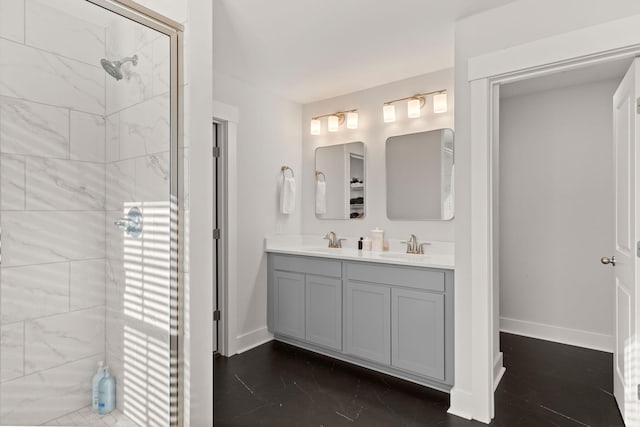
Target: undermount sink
325 249
395 255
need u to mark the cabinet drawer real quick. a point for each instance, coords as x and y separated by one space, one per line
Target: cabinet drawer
419 278
306 265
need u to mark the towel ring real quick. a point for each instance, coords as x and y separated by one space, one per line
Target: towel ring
318 173
287 168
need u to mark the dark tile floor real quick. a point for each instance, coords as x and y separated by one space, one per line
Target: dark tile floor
546 384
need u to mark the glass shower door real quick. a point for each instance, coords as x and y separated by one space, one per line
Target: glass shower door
87 213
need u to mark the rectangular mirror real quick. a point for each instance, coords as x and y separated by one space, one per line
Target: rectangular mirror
340 181
420 169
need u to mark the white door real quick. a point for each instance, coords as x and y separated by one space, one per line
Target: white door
625 129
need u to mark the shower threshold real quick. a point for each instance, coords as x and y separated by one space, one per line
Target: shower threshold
85 417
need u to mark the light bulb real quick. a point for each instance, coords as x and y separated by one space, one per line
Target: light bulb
440 103
333 123
413 108
389 112
352 120
315 127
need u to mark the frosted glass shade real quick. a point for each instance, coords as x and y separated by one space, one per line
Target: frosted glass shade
413 108
315 127
333 123
352 120
440 103
389 113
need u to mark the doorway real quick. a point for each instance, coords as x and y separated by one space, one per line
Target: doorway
555 215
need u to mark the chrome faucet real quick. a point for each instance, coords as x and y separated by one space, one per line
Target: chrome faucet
334 242
413 247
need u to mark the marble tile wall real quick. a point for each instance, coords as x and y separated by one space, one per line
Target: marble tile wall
138 133
52 210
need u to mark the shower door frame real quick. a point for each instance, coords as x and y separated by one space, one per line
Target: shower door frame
175 31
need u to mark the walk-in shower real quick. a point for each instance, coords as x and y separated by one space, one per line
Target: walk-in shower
88 212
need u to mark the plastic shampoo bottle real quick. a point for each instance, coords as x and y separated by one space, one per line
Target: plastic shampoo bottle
107 393
95 384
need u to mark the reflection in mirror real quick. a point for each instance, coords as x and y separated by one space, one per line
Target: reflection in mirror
420 168
340 181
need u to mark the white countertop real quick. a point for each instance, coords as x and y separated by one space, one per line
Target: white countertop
436 254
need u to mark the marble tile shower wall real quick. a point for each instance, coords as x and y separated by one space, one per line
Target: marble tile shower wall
52 210
138 132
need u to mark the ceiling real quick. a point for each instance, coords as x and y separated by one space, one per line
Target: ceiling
308 51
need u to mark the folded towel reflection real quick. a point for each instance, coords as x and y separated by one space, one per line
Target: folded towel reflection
321 197
288 195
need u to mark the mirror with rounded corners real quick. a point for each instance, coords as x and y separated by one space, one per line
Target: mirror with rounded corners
340 181
420 182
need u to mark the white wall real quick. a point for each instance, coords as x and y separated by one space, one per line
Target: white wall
268 137
556 214
514 24
374 132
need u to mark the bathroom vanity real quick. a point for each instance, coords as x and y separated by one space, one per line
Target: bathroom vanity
390 311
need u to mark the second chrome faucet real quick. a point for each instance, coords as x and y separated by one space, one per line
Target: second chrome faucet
334 242
413 247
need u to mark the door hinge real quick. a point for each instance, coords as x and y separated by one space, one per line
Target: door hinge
215 151
216 315
216 233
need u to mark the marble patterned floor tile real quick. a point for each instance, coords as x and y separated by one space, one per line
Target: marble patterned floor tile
33 291
86 417
69 185
60 81
63 338
34 129
44 237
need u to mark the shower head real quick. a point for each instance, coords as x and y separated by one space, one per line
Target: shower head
113 68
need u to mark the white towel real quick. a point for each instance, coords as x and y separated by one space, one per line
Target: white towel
321 197
288 195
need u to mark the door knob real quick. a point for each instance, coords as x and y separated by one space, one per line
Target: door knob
607 260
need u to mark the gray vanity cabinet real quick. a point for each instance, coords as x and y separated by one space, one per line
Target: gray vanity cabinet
417 339
324 311
391 318
288 304
367 318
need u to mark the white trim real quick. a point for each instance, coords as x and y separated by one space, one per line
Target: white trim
592 45
253 339
621 35
229 291
498 370
460 399
577 337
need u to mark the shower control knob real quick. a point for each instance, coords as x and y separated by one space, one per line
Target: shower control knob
607 260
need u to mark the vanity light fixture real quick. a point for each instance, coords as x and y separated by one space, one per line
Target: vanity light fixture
415 103
334 120
389 113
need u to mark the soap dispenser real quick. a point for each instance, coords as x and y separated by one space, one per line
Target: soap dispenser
377 240
95 385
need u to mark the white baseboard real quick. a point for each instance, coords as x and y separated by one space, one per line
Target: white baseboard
498 370
558 334
253 339
461 403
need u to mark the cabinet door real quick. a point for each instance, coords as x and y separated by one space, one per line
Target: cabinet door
288 303
367 321
417 335
324 311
